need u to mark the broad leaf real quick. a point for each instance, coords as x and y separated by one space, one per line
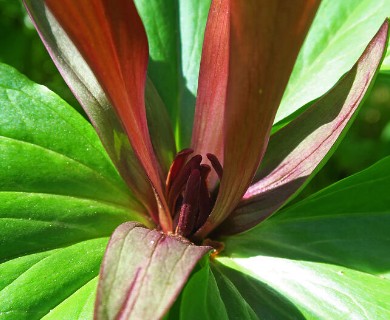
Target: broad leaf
209 294
320 291
217 292
175 31
60 198
346 224
143 272
296 152
327 254
33 285
337 37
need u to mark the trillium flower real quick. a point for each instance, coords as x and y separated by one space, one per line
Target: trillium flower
192 198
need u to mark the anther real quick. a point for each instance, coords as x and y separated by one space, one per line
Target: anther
216 164
177 165
189 207
180 180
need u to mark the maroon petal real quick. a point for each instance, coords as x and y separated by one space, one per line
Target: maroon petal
91 96
143 272
207 133
298 151
265 37
112 40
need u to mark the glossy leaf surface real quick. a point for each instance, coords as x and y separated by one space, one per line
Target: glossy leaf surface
345 224
337 37
320 291
60 197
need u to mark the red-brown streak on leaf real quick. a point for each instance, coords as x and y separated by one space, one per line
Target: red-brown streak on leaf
265 37
128 293
299 150
143 272
207 135
111 38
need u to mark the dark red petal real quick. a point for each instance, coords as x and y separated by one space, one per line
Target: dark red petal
112 39
207 134
297 151
265 37
94 100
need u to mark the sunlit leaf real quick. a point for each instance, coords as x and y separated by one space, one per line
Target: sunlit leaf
60 197
337 37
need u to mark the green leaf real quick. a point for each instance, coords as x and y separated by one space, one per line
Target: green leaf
345 224
175 30
261 300
35 284
337 37
320 291
209 294
217 292
77 306
201 298
143 272
60 199
327 254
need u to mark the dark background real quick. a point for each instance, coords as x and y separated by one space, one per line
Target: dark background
367 141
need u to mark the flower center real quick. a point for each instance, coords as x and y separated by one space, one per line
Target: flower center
188 195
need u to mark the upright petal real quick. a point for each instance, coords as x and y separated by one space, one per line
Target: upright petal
111 38
207 134
91 96
265 37
297 151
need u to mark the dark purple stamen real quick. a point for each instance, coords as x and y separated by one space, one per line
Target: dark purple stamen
188 195
181 178
205 205
216 164
177 165
190 205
